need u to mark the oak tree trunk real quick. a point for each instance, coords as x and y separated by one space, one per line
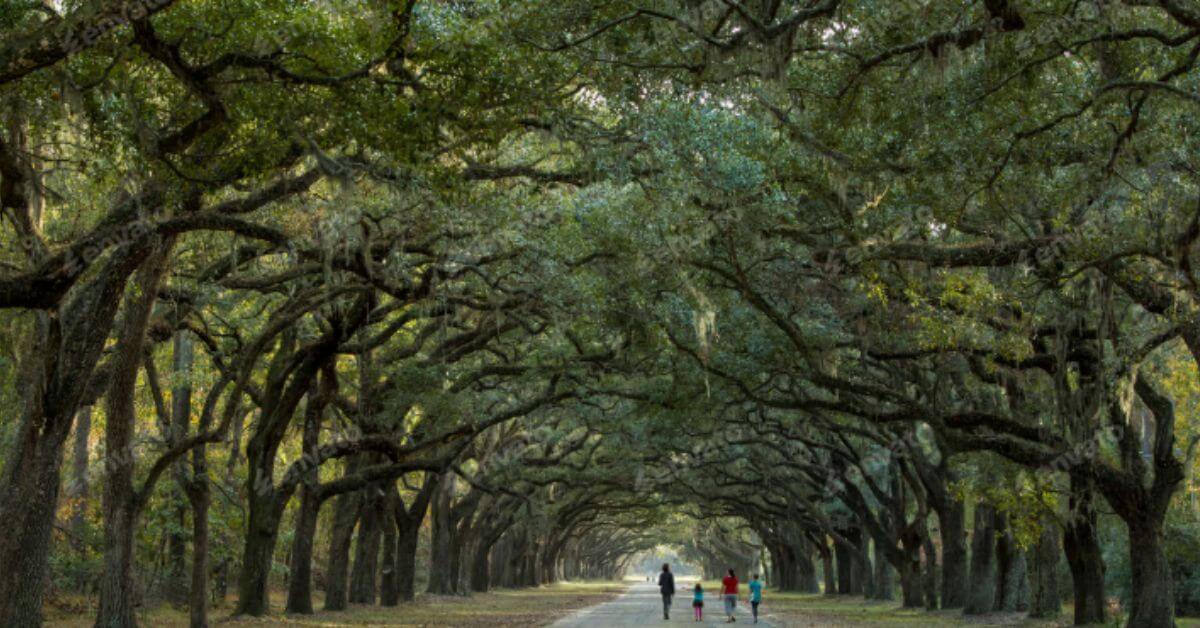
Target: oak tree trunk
440 543
198 497
910 581
299 597
117 594
981 590
258 552
954 554
389 592
407 540
845 568
63 354
1081 545
807 570
366 551
79 473
481 568
885 588
929 576
345 515
1153 600
827 569
176 584
1046 600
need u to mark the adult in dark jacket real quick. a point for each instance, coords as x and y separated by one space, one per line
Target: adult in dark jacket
666 586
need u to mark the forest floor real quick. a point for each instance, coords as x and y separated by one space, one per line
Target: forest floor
543 606
505 607
814 610
819 611
810 610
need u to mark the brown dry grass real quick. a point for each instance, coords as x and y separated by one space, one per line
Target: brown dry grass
506 607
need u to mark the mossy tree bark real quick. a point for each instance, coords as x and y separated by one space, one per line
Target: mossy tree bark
346 511
981 589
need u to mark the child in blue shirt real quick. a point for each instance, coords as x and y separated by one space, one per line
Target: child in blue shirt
698 602
755 596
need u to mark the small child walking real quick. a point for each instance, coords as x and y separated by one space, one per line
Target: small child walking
698 602
755 596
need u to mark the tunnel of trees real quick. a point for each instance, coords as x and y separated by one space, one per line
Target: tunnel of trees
887 298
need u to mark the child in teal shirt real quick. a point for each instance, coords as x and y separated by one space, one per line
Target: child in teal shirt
698 602
755 596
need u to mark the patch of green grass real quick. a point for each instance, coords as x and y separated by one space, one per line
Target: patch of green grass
504 607
804 610
807 609
795 609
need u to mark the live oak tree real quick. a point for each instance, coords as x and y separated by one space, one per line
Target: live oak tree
846 283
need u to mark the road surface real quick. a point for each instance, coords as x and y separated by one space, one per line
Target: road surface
641 605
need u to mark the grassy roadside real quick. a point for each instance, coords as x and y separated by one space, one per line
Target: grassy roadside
799 609
803 610
505 607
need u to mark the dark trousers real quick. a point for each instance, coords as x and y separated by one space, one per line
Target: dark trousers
754 608
667 605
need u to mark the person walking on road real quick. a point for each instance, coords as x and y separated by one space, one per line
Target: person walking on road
755 596
729 588
666 586
698 601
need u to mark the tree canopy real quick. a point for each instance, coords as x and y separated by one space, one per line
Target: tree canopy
866 292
